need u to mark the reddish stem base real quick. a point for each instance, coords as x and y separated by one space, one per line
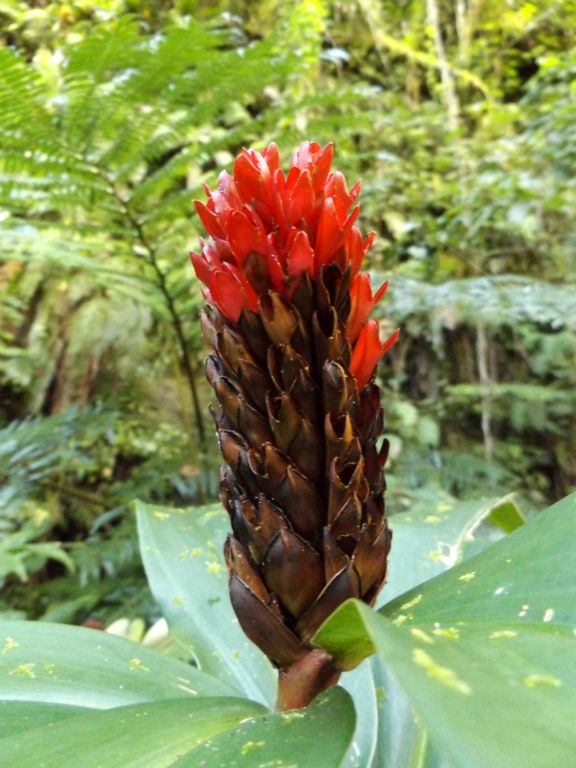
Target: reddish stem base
305 679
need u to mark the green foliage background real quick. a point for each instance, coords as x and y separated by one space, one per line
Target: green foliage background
460 119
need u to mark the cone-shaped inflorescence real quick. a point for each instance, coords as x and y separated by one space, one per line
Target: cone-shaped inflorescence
299 416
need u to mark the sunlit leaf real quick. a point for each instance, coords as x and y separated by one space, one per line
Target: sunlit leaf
317 737
150 735
18 716
52 663
182 554
485 651
431 539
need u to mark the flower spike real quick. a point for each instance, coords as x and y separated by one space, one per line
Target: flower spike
293 361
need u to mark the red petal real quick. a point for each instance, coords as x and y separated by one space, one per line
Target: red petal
367 352
209 219
249 292
329 235
228 295
323 164
245 234
336 187
354 249
311 156
247 178
277 276
300 199
253 178
303 156
380 292
201 267
301 255
272 157
355 191
226 196
361 304
391 340
352 218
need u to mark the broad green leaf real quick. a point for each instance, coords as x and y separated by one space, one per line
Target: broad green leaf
317 737
182 554
429 540
489 698
150 735
60 664
525 578
359 683
484 652
402 740
18 716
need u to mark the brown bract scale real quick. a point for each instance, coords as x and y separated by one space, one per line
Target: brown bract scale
299 418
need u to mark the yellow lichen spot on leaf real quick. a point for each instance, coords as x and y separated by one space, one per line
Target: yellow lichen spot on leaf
23 670
399 620
411 603
444 507
250 746
531 681
443 675
161 515
432 519
467 576
503 633
419 634
548 615
289 717
196 552
49 669
9 645
215 568
179 601
183 553
136 665
450 632
447 554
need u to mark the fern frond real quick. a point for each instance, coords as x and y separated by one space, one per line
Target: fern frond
34 448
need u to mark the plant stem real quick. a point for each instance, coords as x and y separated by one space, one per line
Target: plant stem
305 679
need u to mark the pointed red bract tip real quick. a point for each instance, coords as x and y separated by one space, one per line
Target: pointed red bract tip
362 303
367 352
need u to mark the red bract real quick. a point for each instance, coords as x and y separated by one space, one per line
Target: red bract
268 229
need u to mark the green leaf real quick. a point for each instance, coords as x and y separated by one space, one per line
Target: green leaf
18 716
526 578
506 516
317 737
150 735
429 540
402 741
485 651
182 554
359 683
43 662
